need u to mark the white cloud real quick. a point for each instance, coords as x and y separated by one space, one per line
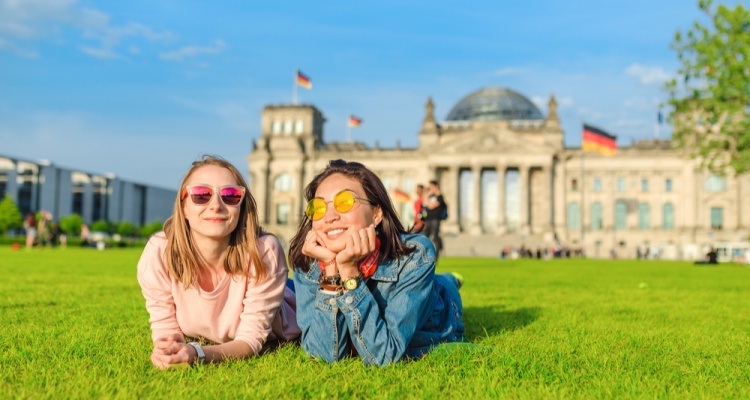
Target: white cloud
507 71
192 51
28 20
648 75
565 102
103 53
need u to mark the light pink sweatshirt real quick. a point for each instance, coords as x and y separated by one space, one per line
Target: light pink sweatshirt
237 309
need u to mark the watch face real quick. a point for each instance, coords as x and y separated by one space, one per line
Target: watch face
351 284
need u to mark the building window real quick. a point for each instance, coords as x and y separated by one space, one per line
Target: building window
644 185
282 183
574 217
621 213
667 217
100 206
597 221
668 185
276 127
574 185
387 183
717 218
644 217
597 185
715 183
79 181
298 126
282 213
408 184
288 126
620 184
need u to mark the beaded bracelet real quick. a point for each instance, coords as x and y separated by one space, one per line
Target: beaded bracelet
323 264
334 280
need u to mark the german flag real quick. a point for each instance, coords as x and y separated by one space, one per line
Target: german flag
354 121
595 139
303 80
400 196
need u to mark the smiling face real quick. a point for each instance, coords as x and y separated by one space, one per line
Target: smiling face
214 221
335 227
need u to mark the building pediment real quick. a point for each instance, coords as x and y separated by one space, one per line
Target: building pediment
505 142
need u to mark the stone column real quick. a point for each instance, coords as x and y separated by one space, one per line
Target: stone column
453 223
298 186
501 228
261 198
476 212
559 182
523 186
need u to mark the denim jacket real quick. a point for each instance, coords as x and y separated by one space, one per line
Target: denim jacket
402 310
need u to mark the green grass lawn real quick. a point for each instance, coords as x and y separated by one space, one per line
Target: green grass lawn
74 325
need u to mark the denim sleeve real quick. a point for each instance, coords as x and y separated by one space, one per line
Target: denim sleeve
383 338
324 332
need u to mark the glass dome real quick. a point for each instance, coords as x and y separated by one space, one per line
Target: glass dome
494 104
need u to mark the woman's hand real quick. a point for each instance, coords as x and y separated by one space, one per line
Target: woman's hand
360 244
170 351
315 248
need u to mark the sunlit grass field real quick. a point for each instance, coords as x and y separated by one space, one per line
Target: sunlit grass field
74 326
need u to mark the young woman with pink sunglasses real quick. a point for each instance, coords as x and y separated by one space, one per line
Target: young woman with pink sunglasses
213 280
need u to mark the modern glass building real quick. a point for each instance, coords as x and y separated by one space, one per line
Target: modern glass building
42 186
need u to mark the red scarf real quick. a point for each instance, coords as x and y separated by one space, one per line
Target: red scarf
367 267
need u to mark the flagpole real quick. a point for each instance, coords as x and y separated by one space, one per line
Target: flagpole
348 131
294 87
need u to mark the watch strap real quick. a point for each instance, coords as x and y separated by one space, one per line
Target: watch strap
199 351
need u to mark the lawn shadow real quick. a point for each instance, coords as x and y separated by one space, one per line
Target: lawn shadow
481 322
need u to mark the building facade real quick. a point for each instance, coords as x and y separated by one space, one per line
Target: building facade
509 181
42 186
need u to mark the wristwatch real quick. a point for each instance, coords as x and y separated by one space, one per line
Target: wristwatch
352 283
199 352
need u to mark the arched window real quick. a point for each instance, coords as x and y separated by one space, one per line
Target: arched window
667 217
282 183
282 213
644 216
715 183
621 213
288 126
276 127
298 125
597 220
574 216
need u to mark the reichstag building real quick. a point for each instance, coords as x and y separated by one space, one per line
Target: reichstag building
509 181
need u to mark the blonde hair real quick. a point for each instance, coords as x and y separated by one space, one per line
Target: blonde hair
180 256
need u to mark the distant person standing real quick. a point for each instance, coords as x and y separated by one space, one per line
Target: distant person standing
419 209
29 225
43 228
437 211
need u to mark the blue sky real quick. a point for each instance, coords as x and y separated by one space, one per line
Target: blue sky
142 88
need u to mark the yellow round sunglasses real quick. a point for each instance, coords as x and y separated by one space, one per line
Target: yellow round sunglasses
343 202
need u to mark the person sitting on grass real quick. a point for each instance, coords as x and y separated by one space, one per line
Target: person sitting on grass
213 275
365 286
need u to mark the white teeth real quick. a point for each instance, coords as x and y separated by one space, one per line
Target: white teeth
335 232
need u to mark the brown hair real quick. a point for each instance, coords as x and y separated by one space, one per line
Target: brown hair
180 256
389 230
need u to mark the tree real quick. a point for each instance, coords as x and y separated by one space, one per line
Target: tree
126 229
711 94
71 224
151 228
101 226
10 216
